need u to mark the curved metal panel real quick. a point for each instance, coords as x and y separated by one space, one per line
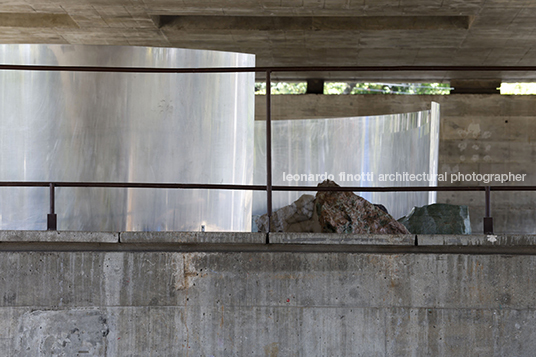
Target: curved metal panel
124 127
355 151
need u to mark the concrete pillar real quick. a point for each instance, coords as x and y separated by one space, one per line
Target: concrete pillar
475 86
315 86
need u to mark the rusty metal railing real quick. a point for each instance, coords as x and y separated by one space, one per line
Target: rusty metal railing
52 217
269 188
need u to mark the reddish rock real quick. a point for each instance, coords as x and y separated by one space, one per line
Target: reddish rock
346 212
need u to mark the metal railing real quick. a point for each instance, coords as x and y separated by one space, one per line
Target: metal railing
269 188
52 216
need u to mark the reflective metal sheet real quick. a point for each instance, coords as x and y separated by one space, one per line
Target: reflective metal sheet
123 127
369 151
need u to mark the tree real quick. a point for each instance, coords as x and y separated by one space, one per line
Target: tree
357 88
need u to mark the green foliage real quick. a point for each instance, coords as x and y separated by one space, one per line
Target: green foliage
386 88
336 88
282 88
518 88
357 88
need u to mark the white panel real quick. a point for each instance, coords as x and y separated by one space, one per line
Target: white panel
367 146
126 127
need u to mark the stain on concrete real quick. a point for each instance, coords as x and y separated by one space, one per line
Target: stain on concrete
62 333
473 130
184 270
271 350
9 298
113 271
354 293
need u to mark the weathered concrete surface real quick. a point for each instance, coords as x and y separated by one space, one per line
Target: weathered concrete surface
63 333
274 304
336 33
58 236
260 238
193 237
477 239
334 238
484 134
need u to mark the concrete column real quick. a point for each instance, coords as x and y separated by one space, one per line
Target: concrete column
475 86
315 86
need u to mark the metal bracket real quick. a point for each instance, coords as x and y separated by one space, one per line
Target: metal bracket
488 225
52 222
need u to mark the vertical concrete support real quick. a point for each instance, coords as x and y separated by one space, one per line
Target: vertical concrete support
482 86
315 86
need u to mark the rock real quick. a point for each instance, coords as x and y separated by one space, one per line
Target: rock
382 207
438 218
332 212
296 217
346 212
254 219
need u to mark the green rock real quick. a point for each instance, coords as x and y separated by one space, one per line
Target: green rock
438 218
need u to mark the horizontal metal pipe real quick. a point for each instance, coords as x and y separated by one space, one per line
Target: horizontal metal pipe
512 188
259 187
271 69
133 185
380 189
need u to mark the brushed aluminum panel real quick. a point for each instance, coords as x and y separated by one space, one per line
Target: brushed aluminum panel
125 127
379 145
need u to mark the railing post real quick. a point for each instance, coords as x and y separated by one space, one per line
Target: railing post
269 151
488 220
52 219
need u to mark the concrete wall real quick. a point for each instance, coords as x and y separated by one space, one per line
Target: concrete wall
486 134
94 301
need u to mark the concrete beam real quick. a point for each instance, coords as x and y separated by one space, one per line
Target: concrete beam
12 19
333 238
313 23
58 236
477 240
193 237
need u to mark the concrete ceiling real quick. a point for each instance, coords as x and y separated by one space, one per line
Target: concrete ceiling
320 32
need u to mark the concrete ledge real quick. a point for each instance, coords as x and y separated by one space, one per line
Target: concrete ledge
193 237
333 238
476 239
510 240
59 236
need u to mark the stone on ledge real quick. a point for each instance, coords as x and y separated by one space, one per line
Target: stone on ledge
438 218
346 212
296 217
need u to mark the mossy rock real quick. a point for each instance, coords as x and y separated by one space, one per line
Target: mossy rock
438 218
